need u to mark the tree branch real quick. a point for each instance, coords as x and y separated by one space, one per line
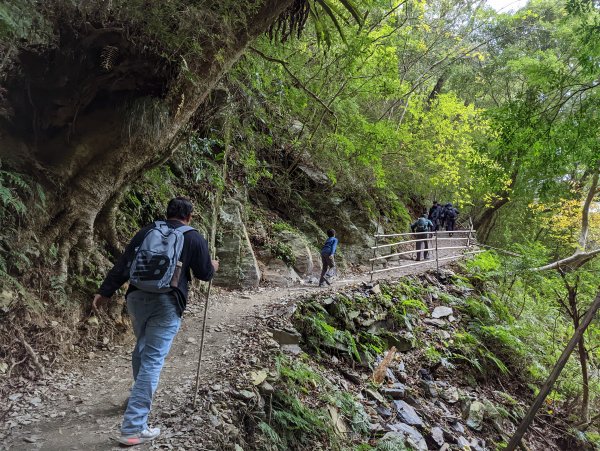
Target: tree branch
585 215
284 64
575 261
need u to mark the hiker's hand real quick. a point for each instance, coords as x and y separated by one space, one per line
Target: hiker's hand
331 260
98 301
215 264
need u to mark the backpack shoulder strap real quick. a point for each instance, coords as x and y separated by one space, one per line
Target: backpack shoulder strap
185 229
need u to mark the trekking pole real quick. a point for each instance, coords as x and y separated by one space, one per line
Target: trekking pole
201 343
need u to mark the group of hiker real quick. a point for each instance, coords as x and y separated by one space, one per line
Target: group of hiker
435 220
442 216
158 263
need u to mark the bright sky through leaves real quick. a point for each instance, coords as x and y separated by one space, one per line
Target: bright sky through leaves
507 5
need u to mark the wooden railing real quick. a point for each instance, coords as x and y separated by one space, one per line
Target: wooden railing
435 243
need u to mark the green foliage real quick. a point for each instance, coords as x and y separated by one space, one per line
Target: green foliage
146 200
352 410
297 373
392 443
432 355
282 226
283 252
483 266
299 424
274 441
472 351
21 20
19 197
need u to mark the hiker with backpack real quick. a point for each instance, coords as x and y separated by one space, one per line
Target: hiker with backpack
450 214
434 216
327 256
158 263
422 227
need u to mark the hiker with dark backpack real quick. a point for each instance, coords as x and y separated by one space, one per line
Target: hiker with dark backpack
450 215
158 263
435 213
421 227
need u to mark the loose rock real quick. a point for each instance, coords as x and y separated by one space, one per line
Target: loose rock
476 414
441 312
408 414
410 434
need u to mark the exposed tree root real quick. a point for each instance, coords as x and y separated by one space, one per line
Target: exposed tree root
34 357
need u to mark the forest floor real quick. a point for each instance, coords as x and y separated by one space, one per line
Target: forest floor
80 407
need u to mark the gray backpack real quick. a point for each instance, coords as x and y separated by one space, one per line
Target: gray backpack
422 225
157 258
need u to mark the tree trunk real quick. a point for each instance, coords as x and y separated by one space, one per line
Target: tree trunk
85 134
485 220
585 387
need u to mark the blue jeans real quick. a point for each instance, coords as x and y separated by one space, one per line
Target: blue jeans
155 323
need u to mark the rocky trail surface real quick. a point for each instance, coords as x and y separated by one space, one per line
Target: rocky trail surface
81 407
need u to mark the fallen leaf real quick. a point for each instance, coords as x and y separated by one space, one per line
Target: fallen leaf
258 377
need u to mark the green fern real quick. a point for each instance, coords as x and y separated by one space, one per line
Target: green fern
322 14
275 442
392 443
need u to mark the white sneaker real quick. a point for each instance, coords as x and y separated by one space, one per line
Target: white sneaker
142 437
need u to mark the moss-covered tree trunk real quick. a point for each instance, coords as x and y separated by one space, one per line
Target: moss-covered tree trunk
89 114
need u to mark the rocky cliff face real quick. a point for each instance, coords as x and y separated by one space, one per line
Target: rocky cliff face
282 247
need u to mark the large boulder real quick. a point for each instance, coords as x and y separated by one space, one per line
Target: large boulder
238 265
277 274
304 263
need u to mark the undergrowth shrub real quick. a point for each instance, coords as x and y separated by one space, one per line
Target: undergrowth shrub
357 326
299 414
145 202
283 252
19 196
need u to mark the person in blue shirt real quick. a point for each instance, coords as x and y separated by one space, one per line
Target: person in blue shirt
327 255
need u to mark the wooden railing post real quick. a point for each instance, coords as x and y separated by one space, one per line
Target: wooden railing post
469 235
437 259
375 248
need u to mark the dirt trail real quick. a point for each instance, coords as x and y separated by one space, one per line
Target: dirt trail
81 408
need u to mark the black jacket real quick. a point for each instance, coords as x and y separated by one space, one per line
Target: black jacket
435 212
194 256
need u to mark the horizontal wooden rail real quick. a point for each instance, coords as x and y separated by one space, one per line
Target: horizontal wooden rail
422 262
415 241
392 255
452 247
394 234
413 233
430 240
382 257
400 242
